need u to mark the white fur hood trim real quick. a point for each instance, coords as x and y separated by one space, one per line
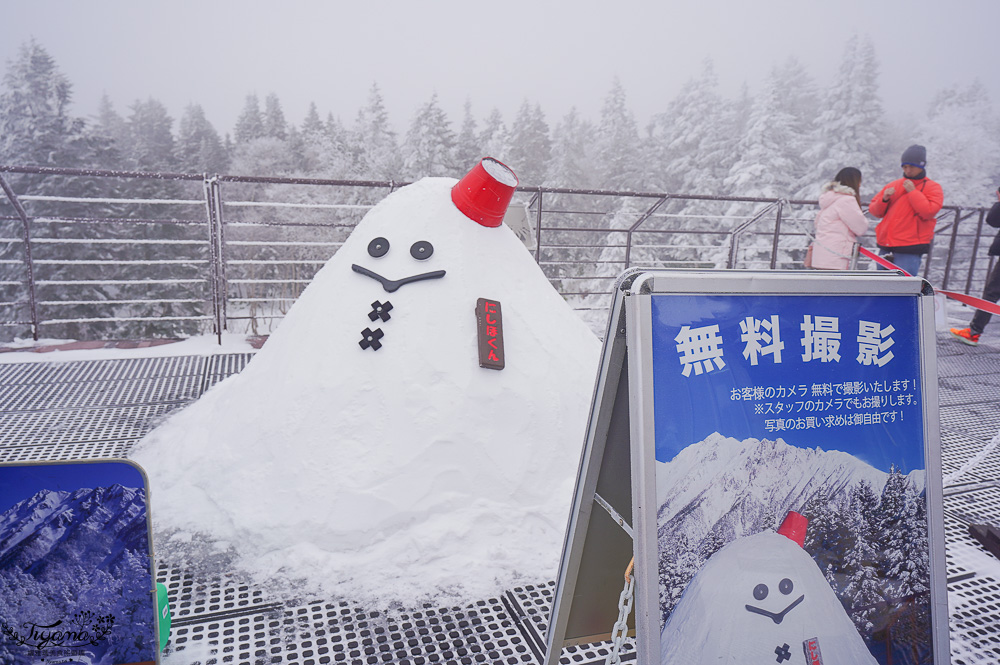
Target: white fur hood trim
835 186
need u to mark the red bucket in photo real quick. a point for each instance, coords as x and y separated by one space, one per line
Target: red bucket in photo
485 192
794 527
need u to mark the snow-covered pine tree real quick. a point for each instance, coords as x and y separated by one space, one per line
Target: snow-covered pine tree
963 144
150 143
799 97
717 538
862 588
151 148
275 124
37 129
198 147
693 138
851 129
767 166
250 123
691 148
494 139
373 143
429 147
766 163
827 535
768 518
110 131
312 137
677 565
467 149
312 124
132 639
617 143
571 165
617 167
530 145
35 125
336 158
903 538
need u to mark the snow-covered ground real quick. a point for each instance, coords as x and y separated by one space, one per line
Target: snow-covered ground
202 345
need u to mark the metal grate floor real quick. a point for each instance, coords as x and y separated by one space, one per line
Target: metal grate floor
94 409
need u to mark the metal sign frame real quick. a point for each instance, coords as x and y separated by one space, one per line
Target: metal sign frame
599 543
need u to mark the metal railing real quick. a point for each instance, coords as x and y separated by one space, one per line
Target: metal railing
96 254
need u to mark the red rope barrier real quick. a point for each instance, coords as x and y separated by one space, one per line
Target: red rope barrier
971 301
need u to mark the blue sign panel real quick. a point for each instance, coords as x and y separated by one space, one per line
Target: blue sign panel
791 510
76 580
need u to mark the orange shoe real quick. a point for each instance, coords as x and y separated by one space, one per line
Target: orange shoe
965 336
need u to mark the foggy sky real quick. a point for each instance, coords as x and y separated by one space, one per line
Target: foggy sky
558 54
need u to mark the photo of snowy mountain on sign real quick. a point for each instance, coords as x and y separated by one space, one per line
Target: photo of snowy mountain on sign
845 577
75 573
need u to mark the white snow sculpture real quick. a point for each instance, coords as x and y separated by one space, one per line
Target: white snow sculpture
403 471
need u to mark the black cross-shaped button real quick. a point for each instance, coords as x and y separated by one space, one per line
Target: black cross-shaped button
783 653
371 338
380 310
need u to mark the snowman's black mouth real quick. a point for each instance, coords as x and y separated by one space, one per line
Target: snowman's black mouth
391 285
780 616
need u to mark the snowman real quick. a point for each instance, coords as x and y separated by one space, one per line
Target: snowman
760 600
373 432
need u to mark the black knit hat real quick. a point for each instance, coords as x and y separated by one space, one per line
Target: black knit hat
915 155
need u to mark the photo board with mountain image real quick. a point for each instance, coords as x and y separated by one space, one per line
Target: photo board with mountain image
76 576
790 474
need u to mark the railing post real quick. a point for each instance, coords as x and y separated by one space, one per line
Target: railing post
26 239
646 215
220 256
731 261
951 248
538 229
777 231
735 233
213 259
975 250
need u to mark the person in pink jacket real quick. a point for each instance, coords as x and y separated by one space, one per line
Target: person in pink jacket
839 222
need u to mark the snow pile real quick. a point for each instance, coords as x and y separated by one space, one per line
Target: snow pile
404 474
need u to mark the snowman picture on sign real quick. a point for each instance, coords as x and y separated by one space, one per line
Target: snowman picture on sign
762 599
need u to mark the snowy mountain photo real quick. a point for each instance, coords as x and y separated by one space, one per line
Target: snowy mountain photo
867 528
87 528
76 564
727 486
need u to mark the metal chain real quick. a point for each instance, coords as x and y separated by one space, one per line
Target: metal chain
620 632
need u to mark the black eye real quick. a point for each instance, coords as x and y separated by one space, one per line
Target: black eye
785 586
760 591
378 247
421 250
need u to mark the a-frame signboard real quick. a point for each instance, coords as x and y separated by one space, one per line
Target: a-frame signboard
766 446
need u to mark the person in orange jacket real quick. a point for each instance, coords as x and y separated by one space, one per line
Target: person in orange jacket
907 207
